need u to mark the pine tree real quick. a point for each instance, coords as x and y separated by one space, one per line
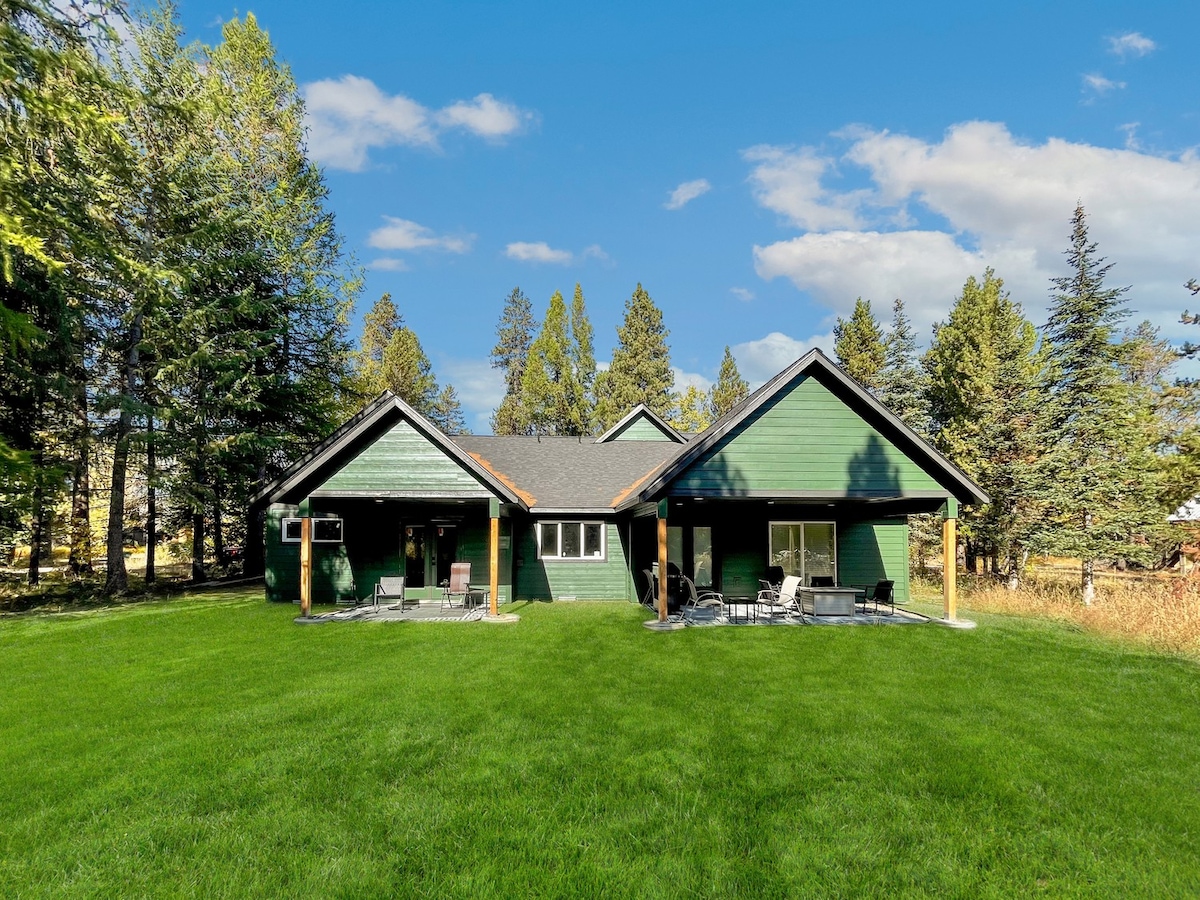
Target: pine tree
691 413
583 359
640 371
514 335
406 371
730 389
902 385
983 389
447 412
550 390
1097 461
858 343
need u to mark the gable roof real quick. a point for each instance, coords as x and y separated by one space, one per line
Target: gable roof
387 407
567 474
641 412
815 361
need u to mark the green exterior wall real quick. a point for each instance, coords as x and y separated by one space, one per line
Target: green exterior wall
806 439
538 579
641 429
404 461
333 576
869 552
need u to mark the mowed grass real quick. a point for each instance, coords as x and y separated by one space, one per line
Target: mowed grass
209 747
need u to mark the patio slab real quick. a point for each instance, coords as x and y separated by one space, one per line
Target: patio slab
423 612
899 617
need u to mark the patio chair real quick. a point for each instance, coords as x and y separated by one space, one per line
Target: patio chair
784 599
880 595
391 587
821 581
775 577
460 586
695 600
651 589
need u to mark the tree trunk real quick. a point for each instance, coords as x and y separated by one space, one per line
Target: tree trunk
151 501
38 523
79 561
198 547
1087 570
218 532
118 579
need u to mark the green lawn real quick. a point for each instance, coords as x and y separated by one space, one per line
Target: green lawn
209 747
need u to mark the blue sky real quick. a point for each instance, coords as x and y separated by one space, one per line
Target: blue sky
755 166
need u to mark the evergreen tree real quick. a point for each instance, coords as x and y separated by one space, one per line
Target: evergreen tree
447 412
583 359
406 371
730 389
1097 464
640 371
902 382
858 343
691 413
983 389
514 335
550 390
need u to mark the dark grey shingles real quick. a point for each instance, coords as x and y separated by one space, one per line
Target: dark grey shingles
566 472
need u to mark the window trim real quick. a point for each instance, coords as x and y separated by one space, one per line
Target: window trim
287 520
804 540
600 523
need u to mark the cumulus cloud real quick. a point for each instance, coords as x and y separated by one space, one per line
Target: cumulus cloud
687 192
998 201
540 252
389 264
683 380
768 356
743 294
1097 85
1131 44
403 234
347 117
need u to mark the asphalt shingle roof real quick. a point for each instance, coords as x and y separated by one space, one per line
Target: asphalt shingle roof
568 472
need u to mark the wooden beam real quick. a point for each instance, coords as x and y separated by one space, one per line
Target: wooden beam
305 566
950 568
662 570
494 563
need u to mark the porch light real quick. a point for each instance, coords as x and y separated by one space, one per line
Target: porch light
441 531
408 532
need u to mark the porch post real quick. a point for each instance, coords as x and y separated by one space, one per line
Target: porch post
662 560
950 560
493 554
305 558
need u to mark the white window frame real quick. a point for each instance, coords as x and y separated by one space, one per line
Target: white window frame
582 523
283 529
803 541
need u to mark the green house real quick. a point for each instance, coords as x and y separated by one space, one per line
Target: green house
810 473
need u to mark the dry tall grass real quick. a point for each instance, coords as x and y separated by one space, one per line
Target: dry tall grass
1161 612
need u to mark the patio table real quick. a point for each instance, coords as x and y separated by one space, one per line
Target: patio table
741 610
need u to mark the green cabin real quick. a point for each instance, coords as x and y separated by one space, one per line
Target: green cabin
810 473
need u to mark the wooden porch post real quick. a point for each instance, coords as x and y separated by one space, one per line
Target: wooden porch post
950 560
662 560
305 559
493 554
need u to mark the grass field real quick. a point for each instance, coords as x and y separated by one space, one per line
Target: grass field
208 747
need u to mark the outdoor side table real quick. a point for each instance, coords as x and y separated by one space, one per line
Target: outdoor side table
741 610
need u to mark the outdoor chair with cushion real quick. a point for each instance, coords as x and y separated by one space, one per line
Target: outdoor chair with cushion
880 595
695 600
391 587
460 586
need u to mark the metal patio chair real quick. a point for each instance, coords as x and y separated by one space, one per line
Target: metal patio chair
883 594
695 600
460 586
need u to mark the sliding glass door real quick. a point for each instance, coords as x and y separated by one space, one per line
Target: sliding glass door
805 549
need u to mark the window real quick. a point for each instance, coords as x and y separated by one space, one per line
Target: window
806 549
324 531
570 540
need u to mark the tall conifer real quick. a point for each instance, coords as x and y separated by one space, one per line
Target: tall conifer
640 371
858 343
514 335
730 388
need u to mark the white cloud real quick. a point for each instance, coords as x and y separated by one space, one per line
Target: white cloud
765 358
1129 129
484 116
389 264
687 192
349 116
479 386
1005 203
538 252
1099 85
541 252
683 380
1131 44
743 294
788 181
403 234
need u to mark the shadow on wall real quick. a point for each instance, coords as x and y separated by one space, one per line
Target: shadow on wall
869 474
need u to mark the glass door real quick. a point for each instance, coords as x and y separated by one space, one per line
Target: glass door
805 549
414 556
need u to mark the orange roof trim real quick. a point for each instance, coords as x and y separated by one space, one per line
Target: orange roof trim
621 497
529 499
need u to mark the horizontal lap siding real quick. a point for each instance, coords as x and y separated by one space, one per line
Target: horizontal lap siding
641 429
332 575
805 440
404 460
869 552
550 579
473 549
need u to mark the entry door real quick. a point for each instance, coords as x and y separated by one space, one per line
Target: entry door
414 556
447 548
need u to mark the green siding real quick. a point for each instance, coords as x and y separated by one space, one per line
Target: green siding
333 577
402 460
473 549
806 439
586 580
875 551
641 429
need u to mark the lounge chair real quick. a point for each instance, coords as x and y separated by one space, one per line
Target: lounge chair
784 599
883 594
460 586
695 600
